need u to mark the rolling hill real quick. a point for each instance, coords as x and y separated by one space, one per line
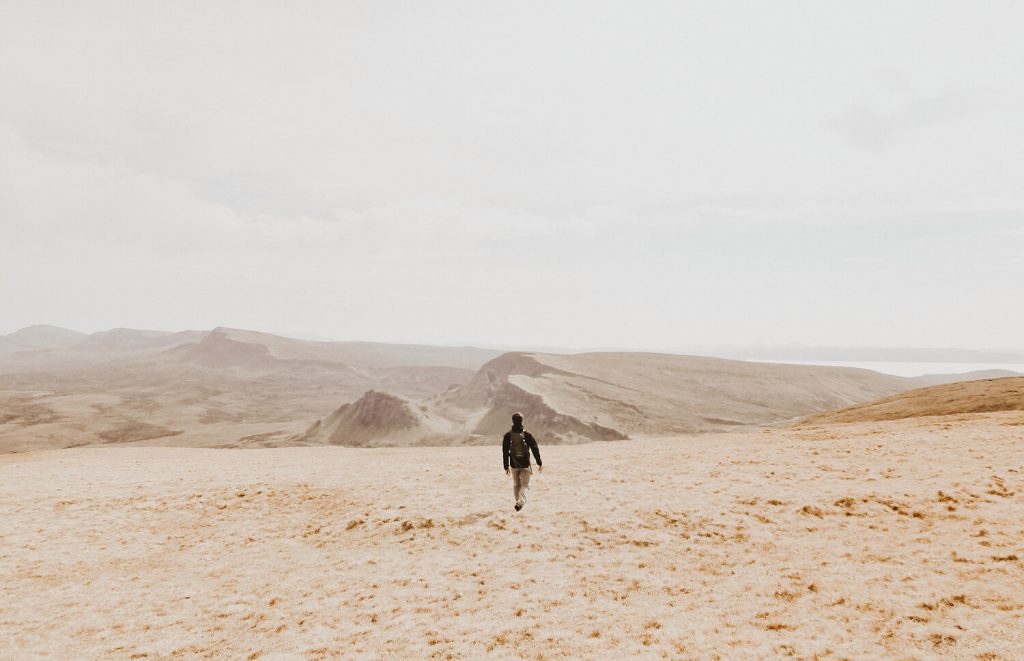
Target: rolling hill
984 396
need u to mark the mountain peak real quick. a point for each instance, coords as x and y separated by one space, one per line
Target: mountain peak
43 336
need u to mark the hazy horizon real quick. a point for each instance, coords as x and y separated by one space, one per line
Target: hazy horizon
538 174
710 350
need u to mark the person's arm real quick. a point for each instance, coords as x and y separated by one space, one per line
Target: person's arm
505 443
533 448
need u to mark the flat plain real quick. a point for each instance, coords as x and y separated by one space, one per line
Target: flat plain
891 539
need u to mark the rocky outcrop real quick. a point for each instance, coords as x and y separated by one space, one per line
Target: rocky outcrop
507 398
217 350
485 386
376 418
477 412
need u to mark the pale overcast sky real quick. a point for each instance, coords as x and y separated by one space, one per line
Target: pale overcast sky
632 174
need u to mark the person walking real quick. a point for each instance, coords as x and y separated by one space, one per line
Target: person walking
515 449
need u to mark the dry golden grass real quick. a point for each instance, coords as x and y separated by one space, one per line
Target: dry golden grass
884 540
982 396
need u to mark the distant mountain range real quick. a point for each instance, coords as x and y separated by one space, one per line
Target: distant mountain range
47 338
239 388
60 388
39 345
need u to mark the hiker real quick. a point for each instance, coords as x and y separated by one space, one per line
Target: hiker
516 448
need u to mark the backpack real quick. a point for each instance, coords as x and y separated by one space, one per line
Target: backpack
517 447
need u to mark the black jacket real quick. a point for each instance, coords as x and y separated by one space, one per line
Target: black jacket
531 442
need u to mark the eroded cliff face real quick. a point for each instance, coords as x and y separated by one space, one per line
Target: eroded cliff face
484 388
477 412
373 418
507 398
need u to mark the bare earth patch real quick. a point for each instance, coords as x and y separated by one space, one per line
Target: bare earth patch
893 539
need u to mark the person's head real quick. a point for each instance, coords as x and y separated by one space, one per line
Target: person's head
517 420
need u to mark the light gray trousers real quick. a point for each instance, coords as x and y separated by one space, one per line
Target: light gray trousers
521 484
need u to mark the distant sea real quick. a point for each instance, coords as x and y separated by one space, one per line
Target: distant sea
907 369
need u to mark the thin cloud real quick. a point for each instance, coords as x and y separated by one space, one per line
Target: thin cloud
874 126
612 177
